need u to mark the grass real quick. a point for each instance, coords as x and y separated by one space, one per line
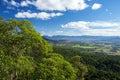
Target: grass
92 47
84 47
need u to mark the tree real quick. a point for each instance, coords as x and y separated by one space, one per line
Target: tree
20 48
80 68
21 35
54 67
15 69
25 55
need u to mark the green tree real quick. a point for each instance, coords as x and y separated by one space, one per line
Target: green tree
20 47
54 67
13 69
21 36
80 68
25 55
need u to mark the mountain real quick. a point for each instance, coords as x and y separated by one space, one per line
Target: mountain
114 40
80 38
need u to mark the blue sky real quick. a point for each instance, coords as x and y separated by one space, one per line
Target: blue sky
67 17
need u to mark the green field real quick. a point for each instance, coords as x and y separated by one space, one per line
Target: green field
104 49
84 47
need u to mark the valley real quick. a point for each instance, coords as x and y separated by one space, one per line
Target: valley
96 44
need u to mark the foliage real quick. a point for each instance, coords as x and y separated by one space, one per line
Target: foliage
25 55
100 66
81 69
54 67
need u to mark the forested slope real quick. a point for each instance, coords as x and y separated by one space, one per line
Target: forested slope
100 66
25 55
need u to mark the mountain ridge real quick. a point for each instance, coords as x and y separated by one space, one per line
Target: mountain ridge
79 38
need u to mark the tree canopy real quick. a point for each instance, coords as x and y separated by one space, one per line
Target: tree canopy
25 55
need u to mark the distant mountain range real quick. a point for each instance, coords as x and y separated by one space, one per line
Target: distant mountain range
82 38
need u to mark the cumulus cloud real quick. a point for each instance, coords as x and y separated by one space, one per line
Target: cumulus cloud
16 4
94 25
94 28
60 5
40 15
26 3
96 6
12 2
52 4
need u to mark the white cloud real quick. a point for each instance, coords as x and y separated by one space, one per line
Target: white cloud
98 28
60 5
24 3
40 15
14 3
59 31
96 24
5 1
52 4
96 6
10 3
45 16
17 4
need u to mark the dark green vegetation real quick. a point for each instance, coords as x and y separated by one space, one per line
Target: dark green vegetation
25 55
100 66
101 56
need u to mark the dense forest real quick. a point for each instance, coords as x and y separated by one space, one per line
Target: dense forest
99 66
25 55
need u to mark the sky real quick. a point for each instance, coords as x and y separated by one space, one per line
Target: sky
67 17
